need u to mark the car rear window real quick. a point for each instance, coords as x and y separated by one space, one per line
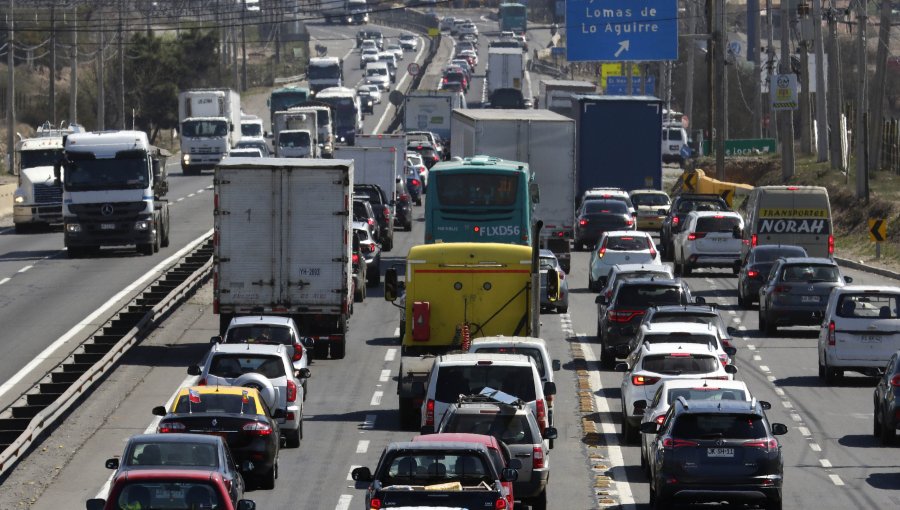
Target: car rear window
717 223
868 306
716 425
370 194
680 338
773 254
236 365
182 453
705 393
680 363
534 354
428 469
259 334
171 494
509 428
454 381
695 205
627 243
645 296
217 403
649 199
810 273
605 206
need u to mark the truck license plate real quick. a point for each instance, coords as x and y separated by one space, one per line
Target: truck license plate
720 452
871 339
107 226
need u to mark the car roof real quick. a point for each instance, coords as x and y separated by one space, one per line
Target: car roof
707 214
627 233
248 348
653 281
625 268
852 289
686 309
221 390
509 340
677 347
190 474
422 443
472 358
547 253
458 437
648 191
261 319
711 383
175 438
722 406
809 260
679 327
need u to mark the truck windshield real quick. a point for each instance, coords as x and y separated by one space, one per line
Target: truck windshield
324 72
204 128
35 158
294 139
101 174
251 130
284 100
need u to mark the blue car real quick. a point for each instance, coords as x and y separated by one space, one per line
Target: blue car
414 185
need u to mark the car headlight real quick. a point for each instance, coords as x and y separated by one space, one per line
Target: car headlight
141 225
186 159
73 227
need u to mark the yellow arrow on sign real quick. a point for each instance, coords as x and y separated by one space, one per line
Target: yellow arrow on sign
877 229
728 196
690 181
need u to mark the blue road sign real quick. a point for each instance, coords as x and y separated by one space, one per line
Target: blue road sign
621 30
557 50
617 85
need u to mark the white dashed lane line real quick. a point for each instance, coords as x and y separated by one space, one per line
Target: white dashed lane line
835 479
376 398
362 446
5 280
26 268
385 375
343 502
350 473
390 354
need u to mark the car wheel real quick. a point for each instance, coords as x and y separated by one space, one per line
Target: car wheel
539 502
774 504
629 431
876 423
592 285
770 328
741 301
562 309
832 375
645 468
685 268
888 434
145 249
408 414
292 438
320 350
358 294
267 480
822 372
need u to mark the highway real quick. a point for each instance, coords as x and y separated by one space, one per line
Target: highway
832 461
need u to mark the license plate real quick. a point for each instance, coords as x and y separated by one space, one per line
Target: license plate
673 147
870 339
107 226
720 452
809 299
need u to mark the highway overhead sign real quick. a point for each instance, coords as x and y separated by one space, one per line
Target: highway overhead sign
877 229
621 30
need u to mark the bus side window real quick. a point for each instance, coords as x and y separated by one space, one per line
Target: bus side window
535 191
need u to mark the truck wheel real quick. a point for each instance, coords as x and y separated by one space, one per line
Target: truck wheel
292 438
338 348
22 228
408 414
418 201
75 252
165 231
156 239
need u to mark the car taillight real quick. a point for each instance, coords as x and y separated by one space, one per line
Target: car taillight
660 419
753 240
355 258
623 315
675 220
601 252
541 414
435 158
696 235
370 221
678 443
724 359
781 289
752 273
404 196
370 247
375 504
537 457
500 504
765 444
171 427
291 391
429 412
895 381
298 349
831 339
831 245
445 80
651 247
582 222
629 222
415 182
643 380
386 211
257 428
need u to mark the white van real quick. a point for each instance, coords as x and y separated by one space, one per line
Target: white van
796 215
674 137
377 73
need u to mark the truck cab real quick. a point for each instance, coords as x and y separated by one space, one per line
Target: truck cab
210 122
296 143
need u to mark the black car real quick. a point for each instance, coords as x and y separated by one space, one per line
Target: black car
403 207
754 268
713 451
681 206
598 216
887 402
430 156
796 292
619 317
364 212
181 451
381 205
359 270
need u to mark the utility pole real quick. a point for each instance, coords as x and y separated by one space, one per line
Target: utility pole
877 106
770 68
73 83
836 93
689 75
805 124
821 97
101 79
52 91
234 59
243 52
121 67
11 91
721 98
711 72
862 171
753 10
787 116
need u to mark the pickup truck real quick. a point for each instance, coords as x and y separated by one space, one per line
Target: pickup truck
445 474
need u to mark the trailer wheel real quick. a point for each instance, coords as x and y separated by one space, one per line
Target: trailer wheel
339 348
165 229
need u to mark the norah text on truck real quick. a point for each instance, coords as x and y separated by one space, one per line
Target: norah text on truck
456 292
210 123
114 188
546 142
276 255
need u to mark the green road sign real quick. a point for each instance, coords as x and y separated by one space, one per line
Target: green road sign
744 147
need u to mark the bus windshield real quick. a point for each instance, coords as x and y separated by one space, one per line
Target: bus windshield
465 189
324 72
284 100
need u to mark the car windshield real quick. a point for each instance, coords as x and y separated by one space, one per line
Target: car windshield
454 381
649 199
680 338
531 352
627 243
875 305
717 223
36 158
645 296
717 425
810 273
167 495
225 403
706 393
680 363
236 365
507 427
431 468
167 453
674 134
259 334
605 206
766 254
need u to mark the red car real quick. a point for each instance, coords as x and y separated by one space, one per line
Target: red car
499 453
168 488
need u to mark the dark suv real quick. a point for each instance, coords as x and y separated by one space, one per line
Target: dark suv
364 212
619 317
715 451
382 207
753 269
796 292
681 206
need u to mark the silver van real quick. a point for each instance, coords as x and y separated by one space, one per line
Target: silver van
795 215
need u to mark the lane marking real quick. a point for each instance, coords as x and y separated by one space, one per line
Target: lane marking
815 447
764 368
90 320
362 446
825 463
343 502
751 347
191 195
200 191
376 398
385 375
787 404
742 328
390 354
732 312
397 331
26 268
804 431
779 392
757 357
796 417
180 199
771 378
5 280
736 320
835 479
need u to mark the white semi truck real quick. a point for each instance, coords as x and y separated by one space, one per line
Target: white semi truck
114 188
210 122
325 72
265 262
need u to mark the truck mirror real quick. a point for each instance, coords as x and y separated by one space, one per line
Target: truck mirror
95 504
157 174
552 285
390 285
246 504
231 127
549 388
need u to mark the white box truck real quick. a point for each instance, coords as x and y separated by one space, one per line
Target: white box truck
505 84
295 134
556 95
276 255
430 110
393 141
543 139
376 165
210 125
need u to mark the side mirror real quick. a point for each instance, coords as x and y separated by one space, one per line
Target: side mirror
549 388
649 427
848 279
418 388
303 373
426 430
556 365
278 414
390 285
700 300
514 464
731 369
621 367
95 504
361 474
622 350
246 504
215 340
600 300
779 429
158 411
112 463
193 370
550 433
765 404
509 475
731 351
157 173
308 342
552 285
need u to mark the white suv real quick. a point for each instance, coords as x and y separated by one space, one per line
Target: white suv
684 332
620 247
266 368
650 364
708 239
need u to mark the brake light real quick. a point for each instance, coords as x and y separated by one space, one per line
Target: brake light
370 221
629 222
370 247
643 380
171 427
624 315
675 220
678 443
724 359
831 339
651 247
541 414
718 216
765 444
415 182
298 349
582 222
752 273
831 245
660 419
387 212
429 412
537 457
355 258
696 235
257 428
375 504
500 504
895 381
445 81
792 188
601 252
435 158
291 391
754 240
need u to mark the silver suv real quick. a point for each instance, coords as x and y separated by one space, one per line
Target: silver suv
513 424
264 367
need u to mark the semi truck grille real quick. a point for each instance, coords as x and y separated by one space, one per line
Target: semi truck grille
107 211
47 194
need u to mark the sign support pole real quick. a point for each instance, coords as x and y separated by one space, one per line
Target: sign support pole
787 117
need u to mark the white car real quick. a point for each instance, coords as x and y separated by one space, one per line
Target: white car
269 329
409 42
373 91
396 49
507 34
649 365
468 53
369 44
684 332
621 272
620 247
861 330
377 73
368 56
446 23
609 194
707 239
690 389
468 29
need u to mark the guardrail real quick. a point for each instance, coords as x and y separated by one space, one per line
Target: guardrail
281 80
61 388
